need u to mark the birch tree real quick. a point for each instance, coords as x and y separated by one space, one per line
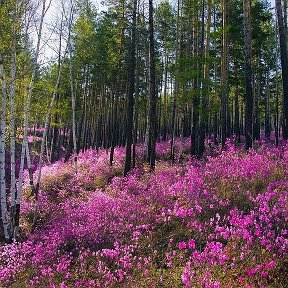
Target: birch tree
52 101
4 211
25 147
15 221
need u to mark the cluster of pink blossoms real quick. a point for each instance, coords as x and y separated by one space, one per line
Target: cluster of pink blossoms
221 222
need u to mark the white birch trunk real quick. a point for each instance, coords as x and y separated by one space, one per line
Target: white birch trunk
27 104
73 96
14 220
4 212
49 114
25 145
46 130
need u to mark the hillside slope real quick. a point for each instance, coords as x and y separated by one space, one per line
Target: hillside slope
221 222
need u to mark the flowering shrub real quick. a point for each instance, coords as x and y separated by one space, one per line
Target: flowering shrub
221 222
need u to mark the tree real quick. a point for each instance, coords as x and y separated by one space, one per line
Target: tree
152 92
284 63
4 211
248 77
165 22
25 147
196 82
130 94
122 27
176 84
224 75
206 76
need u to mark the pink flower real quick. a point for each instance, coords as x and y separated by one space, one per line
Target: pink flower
264 274
191 244
269 265
251 272
182 245
241 279
63 285
198 208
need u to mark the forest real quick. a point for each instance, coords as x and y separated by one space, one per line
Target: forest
144 143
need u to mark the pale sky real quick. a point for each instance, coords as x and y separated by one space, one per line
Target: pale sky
52 19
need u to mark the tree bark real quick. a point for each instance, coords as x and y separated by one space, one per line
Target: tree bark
25 146
204 114
224 75
267 109
152 91
117 86
284 63
130 98
73 103
248 76
176 86
195 87
46 126
15 222
4 211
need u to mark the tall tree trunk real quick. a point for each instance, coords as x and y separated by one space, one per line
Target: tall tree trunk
25 146
284 64
4 211
248 76
73 102
152 91
276 101
205 98
15 222
165 112
236 129
176 86
136 115
267 108
117 86
224 75
48 115
130 98
195 87
55 138
257 92
236 109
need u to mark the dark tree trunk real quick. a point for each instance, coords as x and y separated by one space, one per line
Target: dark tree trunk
196 99
224 75
176 87
277 109
204 115
267 109
54 146
130 98
248 75
165 114
284 64
256 123
117 88
70 147
136 116
152 91
236 120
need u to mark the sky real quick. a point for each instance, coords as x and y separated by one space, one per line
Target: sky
50 38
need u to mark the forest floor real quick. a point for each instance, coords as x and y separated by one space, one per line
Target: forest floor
216 222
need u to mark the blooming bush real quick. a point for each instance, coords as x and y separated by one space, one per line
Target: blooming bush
221 222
